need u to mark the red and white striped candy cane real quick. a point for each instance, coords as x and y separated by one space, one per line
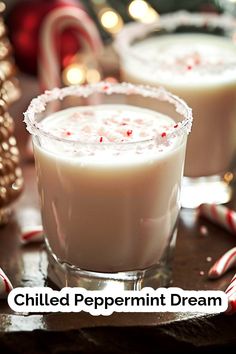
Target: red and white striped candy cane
231 293
54 24
31 234
5 285
220 215
223 264
226 218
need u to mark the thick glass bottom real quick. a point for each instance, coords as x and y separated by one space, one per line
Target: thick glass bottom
63 274
211 189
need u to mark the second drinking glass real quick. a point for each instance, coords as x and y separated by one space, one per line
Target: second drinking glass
193 56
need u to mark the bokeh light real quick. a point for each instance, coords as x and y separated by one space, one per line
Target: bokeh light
141 11
138 8
74 74
93 76
111 20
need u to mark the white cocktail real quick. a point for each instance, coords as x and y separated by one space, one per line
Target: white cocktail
200 67
109 180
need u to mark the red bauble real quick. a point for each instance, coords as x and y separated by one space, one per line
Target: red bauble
24 24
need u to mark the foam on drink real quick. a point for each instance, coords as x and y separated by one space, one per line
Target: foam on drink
185 59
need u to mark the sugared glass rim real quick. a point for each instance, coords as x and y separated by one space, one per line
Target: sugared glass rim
138 31
38 105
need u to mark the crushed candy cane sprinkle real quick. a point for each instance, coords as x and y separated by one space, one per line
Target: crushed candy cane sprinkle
179 57
109 124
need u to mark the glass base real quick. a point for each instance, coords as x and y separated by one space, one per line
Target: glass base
210 189
65 275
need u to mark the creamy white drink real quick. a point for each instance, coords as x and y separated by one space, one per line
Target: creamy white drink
109 185
200 68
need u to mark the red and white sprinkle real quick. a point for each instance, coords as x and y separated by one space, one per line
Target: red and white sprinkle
106 87
31 234
5 285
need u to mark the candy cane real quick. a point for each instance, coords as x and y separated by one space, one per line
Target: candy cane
31 234
220 215
5 285
226 218
223 264
55 23
231 293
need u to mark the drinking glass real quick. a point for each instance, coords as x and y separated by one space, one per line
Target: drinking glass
109 177
194 56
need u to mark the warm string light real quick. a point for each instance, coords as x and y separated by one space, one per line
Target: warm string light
2 7
93 76
74 74
141 11
77 74
228 177
110 20
138 8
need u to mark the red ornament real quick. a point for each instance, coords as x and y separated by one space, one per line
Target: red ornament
24 23
129 132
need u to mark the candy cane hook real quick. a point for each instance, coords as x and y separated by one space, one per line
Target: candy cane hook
55 23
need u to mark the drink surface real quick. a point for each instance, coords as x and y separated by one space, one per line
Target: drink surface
185 59
111 127
104 208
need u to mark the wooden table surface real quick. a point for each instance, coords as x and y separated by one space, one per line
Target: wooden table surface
118 333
